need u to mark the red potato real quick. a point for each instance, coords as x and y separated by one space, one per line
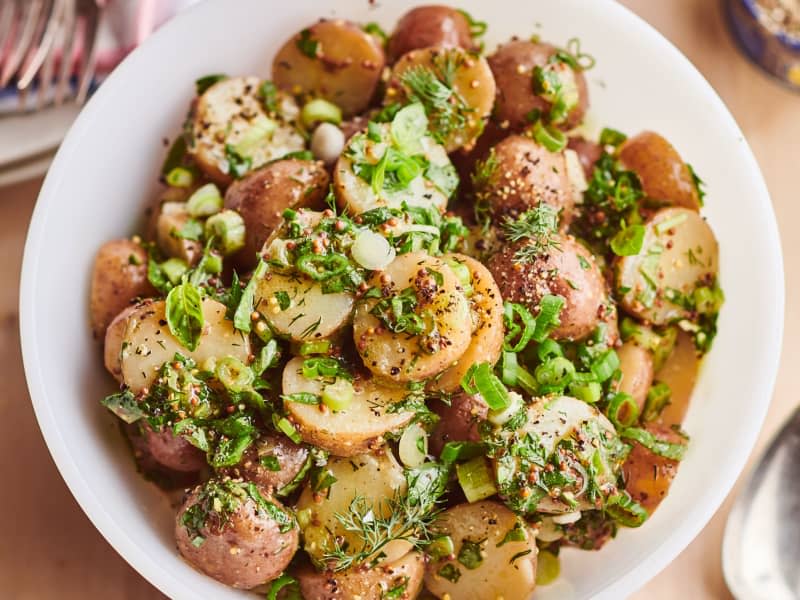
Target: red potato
664 175
432 25
150 468
119 276
588 152
519 174
458 421
171 220
513 65
332 59
255 464
569 271
647 475
172 451
224 532
261 197
636 364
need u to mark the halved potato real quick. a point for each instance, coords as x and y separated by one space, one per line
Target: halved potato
486 305
400 357
118 277
664 175
148 343
115 336
231 115
503 568
679 254
403 576
309 315
170 224
647 475
636 365
471 85
370 479
356 195
358 428
331 59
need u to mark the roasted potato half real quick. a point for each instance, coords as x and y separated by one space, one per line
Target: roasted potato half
402 576
515 65
262 195
486 564
664 176
486 308
119 276
362 482
647 475
458 121
431 25
636 365
331 59
233 131
353 430
458 420
569 271
519 174
678 255
238 539
148 343
429 336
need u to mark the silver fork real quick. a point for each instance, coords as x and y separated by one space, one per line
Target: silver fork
40 32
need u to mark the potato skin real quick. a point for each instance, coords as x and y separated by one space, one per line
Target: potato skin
119 275
432 25
512 65
560 273
246 552
524 175
636 364
115 336
366 584
661 169
172 451
345 71
647 475
458 422
261 196
291 459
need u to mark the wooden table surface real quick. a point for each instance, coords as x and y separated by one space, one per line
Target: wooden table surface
48 548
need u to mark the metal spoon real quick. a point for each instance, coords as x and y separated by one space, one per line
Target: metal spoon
761 547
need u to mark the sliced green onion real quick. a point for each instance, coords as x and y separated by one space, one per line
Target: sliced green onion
413 445
548 318
708 300
320 111
470 554
461 272
548 567
372 251
320 267
549 349
338 396
286 583
522 333
611 137
480 378
212 263
551 138
655 445
407 128
316 347
286 428
205 82
441 547
625 511
476 479
205 201
503 415
227 229
174 268
456 451
589 392
622 410
629 241
664 226
555 374
234 374
316 367
508 370
180 177
605 365
526 380
301 398
260 130
658 398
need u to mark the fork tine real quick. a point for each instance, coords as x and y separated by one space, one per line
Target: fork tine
45 46
28 23
45 75
89 52
67 51
7 10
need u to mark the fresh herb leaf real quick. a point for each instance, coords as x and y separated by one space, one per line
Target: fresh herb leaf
538 228
202 84
307 44
238 165
242 317
185 314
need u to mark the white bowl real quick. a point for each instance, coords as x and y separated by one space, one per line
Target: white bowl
106 171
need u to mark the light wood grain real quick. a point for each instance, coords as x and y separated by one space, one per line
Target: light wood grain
48 548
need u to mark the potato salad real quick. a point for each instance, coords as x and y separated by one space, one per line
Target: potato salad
399 324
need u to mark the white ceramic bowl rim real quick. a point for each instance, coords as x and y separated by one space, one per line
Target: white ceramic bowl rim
80 483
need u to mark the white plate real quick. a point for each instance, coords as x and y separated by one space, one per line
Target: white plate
105 171
23 136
